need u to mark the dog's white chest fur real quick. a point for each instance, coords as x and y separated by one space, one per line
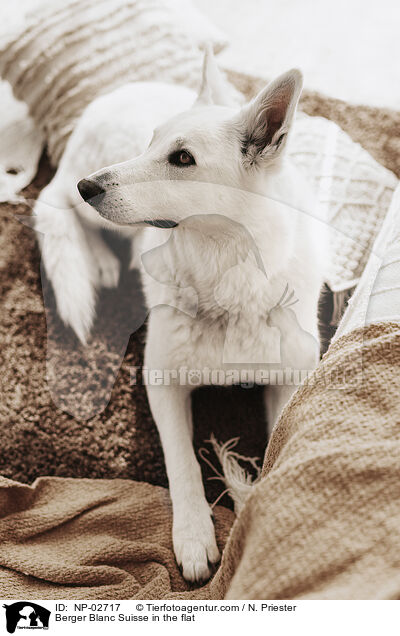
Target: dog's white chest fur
215 287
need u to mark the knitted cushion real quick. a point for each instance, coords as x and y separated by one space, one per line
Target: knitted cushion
66 54
353 191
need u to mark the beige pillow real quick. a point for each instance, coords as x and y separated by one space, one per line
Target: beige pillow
66 54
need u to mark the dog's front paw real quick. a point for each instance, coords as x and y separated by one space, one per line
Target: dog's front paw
195 546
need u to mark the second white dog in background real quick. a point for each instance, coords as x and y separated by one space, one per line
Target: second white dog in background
221 211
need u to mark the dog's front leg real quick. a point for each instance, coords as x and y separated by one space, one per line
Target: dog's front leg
299 351
193 530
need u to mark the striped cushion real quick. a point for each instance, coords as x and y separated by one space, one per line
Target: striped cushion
67 54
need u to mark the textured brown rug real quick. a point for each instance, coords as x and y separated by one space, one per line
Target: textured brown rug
42 438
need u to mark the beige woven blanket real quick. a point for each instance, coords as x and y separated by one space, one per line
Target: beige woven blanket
324 522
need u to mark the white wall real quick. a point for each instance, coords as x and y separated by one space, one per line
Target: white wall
349 49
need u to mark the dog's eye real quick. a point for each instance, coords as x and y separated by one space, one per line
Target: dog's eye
181 158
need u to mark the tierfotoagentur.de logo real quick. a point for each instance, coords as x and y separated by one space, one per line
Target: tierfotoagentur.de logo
26 615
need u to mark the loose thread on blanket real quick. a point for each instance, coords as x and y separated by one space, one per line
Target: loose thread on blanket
237 480
218 476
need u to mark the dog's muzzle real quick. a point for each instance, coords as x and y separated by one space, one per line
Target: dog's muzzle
93 193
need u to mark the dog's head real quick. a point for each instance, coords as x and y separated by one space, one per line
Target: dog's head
202 161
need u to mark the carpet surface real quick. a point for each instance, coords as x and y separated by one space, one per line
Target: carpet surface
40 437
323 522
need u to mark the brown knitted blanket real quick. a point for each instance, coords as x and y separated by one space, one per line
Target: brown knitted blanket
38 437
324 522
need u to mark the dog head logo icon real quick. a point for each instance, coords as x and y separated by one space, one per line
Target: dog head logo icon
26 615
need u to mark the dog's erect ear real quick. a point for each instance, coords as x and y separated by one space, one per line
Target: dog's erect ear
265 122
214 88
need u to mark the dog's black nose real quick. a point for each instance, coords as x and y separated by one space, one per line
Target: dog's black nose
89 189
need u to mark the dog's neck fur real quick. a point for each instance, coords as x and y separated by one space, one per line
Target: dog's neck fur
235 269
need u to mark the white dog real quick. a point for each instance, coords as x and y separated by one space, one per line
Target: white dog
231 220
